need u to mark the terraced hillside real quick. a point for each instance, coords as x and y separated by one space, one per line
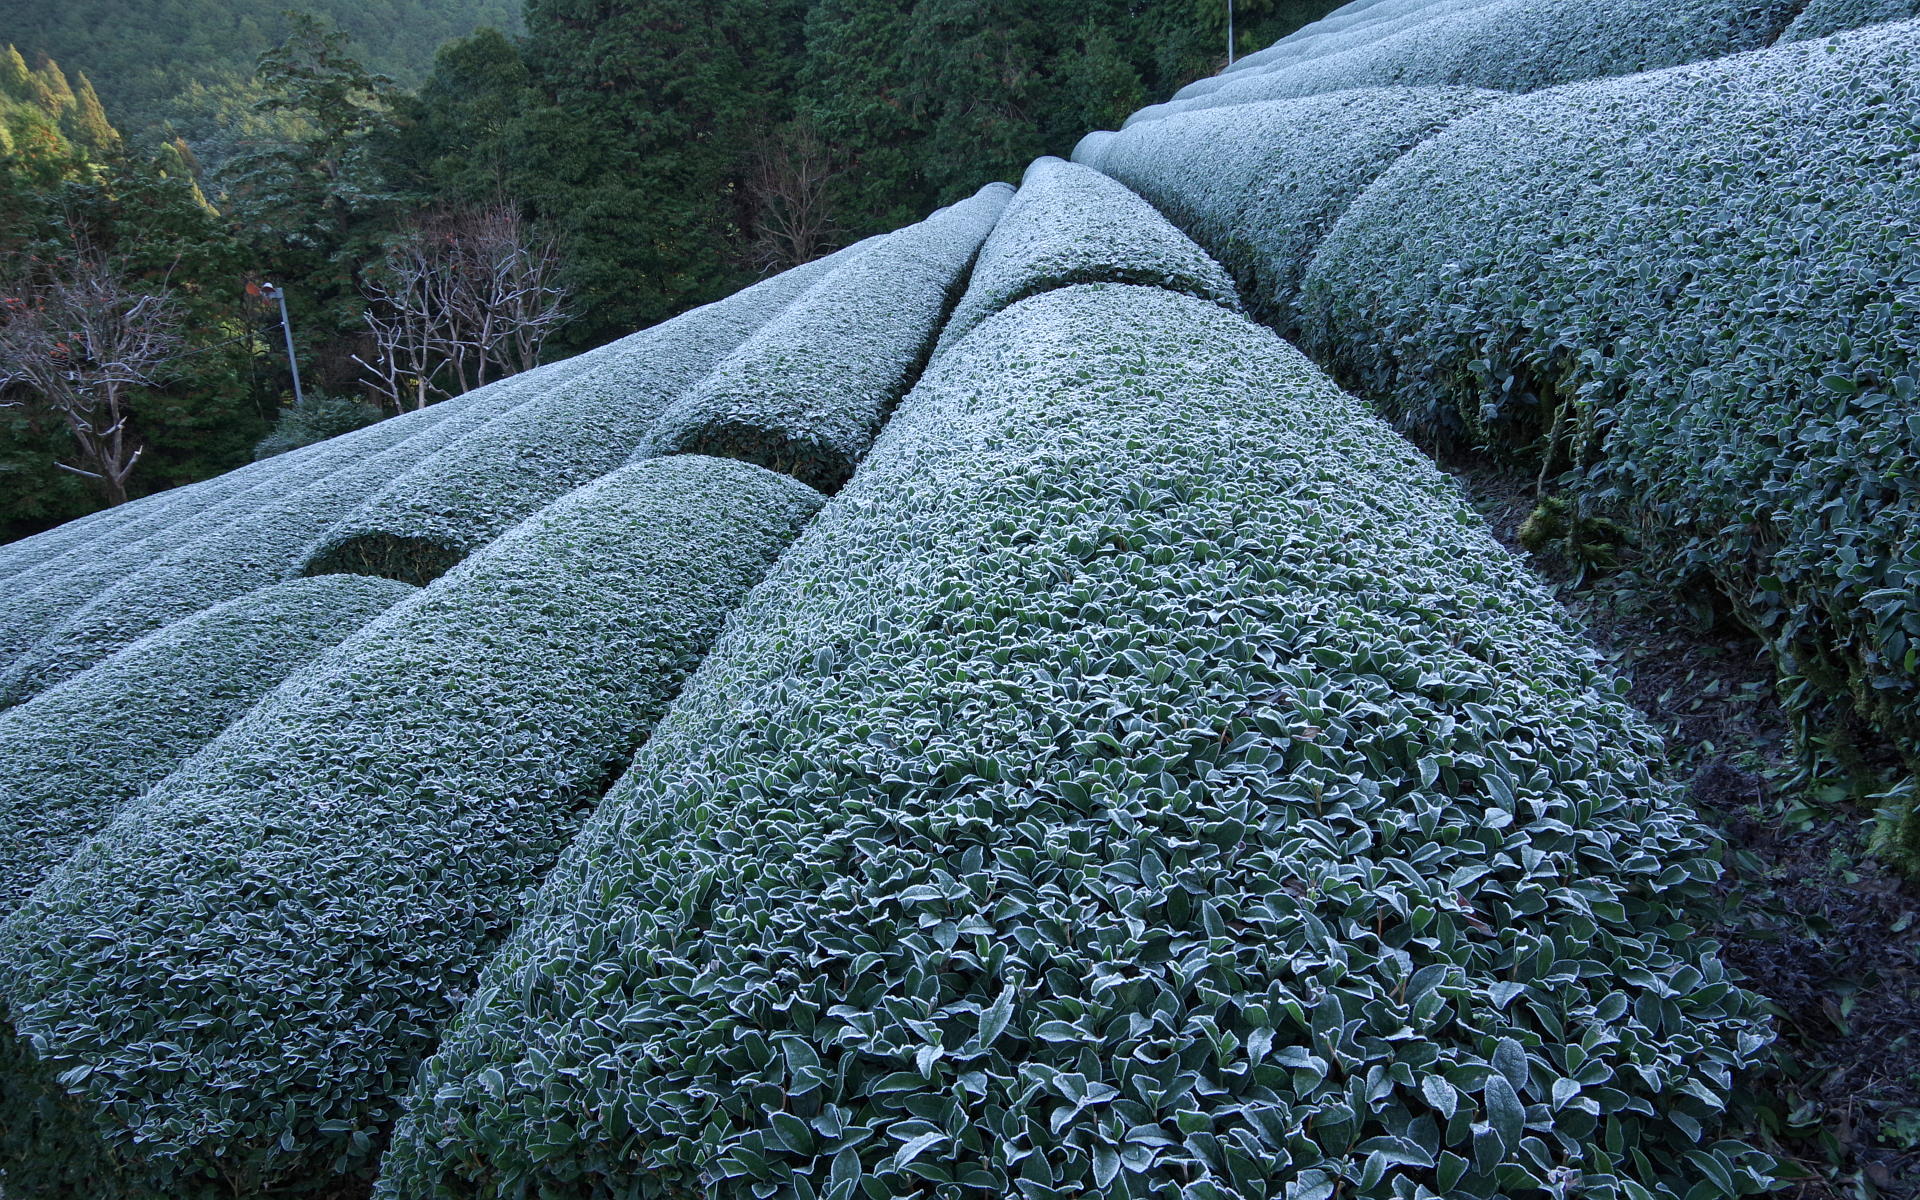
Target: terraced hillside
980 713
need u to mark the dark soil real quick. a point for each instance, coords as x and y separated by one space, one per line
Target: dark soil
1830 936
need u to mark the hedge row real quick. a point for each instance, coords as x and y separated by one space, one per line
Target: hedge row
70 757
294 914
1259 185
1698 287
1068 225
1822 17
54 591
1522 46
1148 777
472 491
85 541
269 542
1328 36
806 394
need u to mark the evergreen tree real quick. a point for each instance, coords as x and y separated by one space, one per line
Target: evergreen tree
53 92
14 76
87 121
456 139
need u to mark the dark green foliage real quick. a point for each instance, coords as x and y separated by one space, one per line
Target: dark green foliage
1148 777
74 755
1072 225
144 53
296 912
1259 185
806 394
320 417
1696 287
470 492
1822 17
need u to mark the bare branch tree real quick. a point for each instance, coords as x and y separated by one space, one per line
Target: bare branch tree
458 300
788 182
80 344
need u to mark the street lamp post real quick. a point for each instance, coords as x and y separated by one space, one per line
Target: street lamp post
1229 32
286 327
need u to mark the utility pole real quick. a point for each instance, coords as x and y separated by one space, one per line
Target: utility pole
286 327
1229 32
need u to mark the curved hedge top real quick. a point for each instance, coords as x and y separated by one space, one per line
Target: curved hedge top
477 488
249 550
1716 266
52 592
1069 224
1148 772
1259 185
84 542
1525 45
73 754
295 912
1341 30
806 394
1822 17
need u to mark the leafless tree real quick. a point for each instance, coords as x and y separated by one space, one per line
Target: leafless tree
78 343
459 300
788 182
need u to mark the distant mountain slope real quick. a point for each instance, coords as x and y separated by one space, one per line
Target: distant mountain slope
141 54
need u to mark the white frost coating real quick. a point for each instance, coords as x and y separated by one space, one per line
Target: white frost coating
806 394
1087 150
475 489
347 853
1526 45
1823 17
1070 224
83 541
71 756
54 591
266 543
1259 185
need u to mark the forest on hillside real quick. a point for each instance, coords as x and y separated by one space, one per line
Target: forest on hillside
573 171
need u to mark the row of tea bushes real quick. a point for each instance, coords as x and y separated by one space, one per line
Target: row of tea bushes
32 560
73 755
806 395
1822 17
1147 777
1068 225
1260 185
41 599
1699 287
223 993
1519 46
474 490
268 542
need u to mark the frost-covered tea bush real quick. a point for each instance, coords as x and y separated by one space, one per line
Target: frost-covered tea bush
1259 185
1699 287
1332 35
806 394
249 550
1525 45
1068 225
54 591
223 992
1147 778
72 755
472 491
1822 17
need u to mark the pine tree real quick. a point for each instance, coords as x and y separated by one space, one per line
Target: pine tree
55 93
87 124
14 76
